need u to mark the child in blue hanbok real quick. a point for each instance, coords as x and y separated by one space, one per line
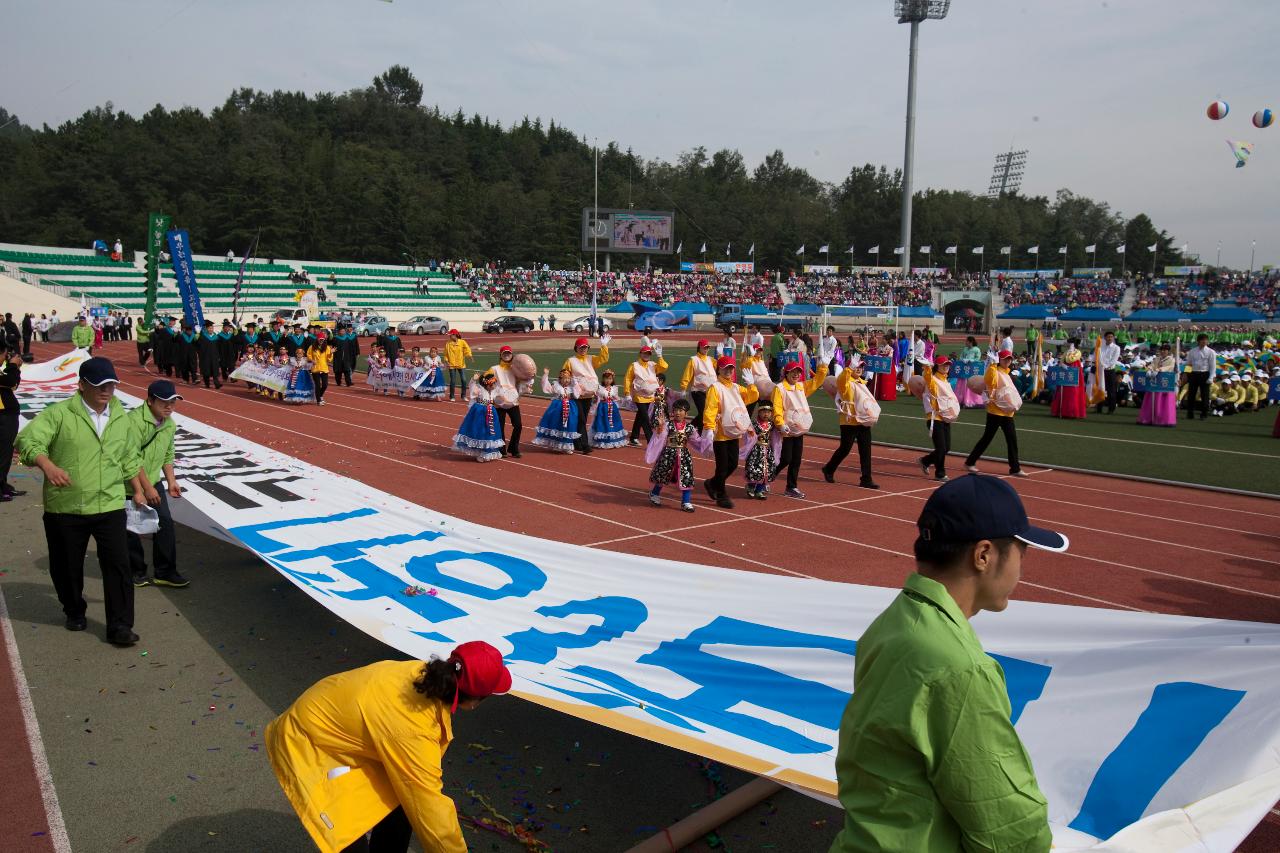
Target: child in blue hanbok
480 434
606 425
559 428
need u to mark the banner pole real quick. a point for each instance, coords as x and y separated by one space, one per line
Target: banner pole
683 833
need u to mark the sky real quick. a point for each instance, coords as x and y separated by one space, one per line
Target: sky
1107 96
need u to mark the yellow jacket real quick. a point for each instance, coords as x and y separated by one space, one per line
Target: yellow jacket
319 359
780 397
456 353
711 412
688 370
992 379
596 361
845 392
659 366
357 744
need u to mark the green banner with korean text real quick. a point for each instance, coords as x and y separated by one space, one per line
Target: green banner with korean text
157 226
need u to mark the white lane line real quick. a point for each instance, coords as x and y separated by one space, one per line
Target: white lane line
48 793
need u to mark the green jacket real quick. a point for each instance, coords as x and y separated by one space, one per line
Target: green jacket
82 336
155 444
142 332
98 468
929 761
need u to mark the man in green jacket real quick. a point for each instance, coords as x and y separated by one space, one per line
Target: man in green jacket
928 759
85 449
144 344
153 430
82 334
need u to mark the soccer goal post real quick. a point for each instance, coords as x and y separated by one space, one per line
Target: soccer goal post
863 318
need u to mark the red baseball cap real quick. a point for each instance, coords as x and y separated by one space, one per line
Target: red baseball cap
504 349
646 349
480 670
793 365
455 332
580 343
941 361
704 343
725 361
1003 354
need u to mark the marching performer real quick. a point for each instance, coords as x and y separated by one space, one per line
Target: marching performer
760 457
726 416
582 369
941 407
791 415
859 412
699 375
668 451
480 434
607 431
640 383
1003 403
558 430
510 387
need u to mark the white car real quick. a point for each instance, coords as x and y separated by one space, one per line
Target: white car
579 324
423 325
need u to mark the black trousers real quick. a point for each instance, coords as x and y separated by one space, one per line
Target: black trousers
210 374
849 433
1198 383
583 442
164 545
26 344
1111 381
941 447
517 426
997 423
699 400
341 370
726 454
144 352
642 423
390 835
792 454
8 434
321 381
67 536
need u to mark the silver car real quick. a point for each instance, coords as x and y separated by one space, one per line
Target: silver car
579 324
423 325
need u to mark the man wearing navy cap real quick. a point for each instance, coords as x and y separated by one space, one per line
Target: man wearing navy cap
153 430
928 758
85 449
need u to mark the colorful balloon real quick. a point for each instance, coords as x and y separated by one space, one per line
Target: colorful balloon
1218 110
1263 118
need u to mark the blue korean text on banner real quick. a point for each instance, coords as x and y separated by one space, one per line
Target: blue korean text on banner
98 311
184 269
962 370
878 363
1063 377
1145 383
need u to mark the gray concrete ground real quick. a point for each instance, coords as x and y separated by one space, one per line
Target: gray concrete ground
159 747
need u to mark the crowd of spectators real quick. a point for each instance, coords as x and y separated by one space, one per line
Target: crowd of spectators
712 288
1257 292
540 286
860 290
1064 293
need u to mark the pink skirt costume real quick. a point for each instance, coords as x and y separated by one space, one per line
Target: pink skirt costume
1159 408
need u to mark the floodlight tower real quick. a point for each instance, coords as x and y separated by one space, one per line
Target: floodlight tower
1006 177
913 12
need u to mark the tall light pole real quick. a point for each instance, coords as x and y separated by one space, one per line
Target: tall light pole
913 12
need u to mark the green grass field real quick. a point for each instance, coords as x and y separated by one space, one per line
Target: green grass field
1234 452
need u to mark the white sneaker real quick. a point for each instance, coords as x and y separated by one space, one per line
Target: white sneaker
972 469
687 507
656 500
1019 474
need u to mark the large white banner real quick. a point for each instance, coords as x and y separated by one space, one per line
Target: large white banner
1156 732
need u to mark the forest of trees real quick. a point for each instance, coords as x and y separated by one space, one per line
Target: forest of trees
373 175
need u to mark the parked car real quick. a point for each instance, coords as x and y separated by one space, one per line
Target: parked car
508 323
423 325
371 327
579 324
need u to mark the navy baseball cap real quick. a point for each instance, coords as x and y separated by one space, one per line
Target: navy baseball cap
976 507
163 389
98 371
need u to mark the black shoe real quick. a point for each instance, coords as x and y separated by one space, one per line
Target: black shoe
586 449
122 637
514 454
868 484
14 493
828 475
503 451
5 498
711 492
173 579
723 501
925 465
76 623
139 581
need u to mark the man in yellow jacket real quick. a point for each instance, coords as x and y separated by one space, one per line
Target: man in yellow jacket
363 750
999 415
793 419
583 366
726 413
640 384
851 391
456 354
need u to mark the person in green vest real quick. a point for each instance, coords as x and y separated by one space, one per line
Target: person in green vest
777 344
143 340
153 431
85 448
82 334
1032 335
928 757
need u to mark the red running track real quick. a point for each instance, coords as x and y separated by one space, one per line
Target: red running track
1134 545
